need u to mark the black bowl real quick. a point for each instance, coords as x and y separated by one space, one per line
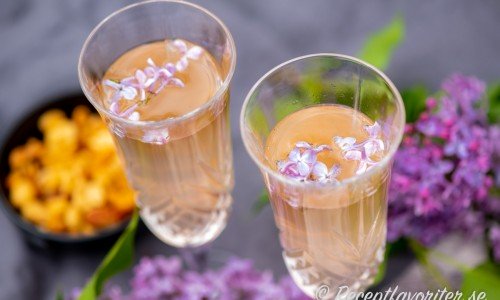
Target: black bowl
19 135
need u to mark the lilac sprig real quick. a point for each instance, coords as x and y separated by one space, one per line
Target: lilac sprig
444 169
187 53
362 151
150 80
302 164
164 278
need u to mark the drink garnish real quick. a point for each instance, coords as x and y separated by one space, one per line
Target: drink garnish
362 151
302 162
149 81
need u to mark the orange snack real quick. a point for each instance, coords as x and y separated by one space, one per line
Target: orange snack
70 181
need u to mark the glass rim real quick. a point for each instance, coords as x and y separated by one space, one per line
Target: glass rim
289 181
169 121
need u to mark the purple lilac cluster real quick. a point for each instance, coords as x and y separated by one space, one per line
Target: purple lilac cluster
443 171
151 80
164 278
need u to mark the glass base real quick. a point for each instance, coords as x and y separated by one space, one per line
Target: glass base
340 285
183 226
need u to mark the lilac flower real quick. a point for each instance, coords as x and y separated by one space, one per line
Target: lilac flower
301 161
165 76
128 113
121 91
441 174
362 151
156 136
142 81
191 53
135 116
151 79
304 159
322 174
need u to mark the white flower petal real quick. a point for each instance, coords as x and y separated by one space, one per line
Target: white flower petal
182 64
156 136
303 144
370 148
363 166
294 155
129 81
151 62
180 45
321 148
353 155
381 145
334 171
170 67
112 84
143 95
141 77
176 82
344 143
129 92
373 130
135 116
150 71
309 157
165 73
320 170
114 107
304 169
194 52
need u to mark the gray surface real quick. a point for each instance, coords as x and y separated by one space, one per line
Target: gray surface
40 42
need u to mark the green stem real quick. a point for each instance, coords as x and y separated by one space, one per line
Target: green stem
422 255
450 261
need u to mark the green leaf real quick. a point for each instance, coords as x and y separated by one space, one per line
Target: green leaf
262 202
379 47
59 295
119 258
414 100
484 278
493 94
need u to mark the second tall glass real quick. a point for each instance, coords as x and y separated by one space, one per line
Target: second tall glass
181 167
332 232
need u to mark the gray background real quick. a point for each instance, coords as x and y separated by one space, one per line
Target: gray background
40 42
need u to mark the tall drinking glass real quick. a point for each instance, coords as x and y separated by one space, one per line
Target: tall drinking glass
333 234
180 166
